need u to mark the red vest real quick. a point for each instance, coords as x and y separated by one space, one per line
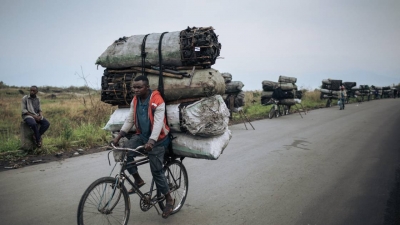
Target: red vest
154 102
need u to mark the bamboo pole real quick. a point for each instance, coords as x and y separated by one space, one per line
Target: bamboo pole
151 71
139 69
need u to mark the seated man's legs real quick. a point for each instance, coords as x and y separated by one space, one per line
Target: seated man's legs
44 125
33 125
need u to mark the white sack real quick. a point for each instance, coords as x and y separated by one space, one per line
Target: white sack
200 147
117 119
207 117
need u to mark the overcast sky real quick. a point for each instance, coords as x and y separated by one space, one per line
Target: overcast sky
46 43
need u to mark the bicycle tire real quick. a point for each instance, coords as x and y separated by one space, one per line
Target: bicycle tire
177 179
328 103
271 113
102 192
281 110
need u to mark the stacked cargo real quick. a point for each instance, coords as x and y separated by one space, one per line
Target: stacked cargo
330 89
377 91
363 90
348 87
386 92
233 89
196 112
284 91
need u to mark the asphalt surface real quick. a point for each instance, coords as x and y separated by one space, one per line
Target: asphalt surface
330 167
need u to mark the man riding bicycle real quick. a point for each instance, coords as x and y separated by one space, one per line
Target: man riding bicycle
147 114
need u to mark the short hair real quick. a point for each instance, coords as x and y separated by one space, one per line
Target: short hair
142 78
34 86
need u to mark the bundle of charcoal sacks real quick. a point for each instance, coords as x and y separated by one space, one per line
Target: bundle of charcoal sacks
196 112
233 92
330 88
285 91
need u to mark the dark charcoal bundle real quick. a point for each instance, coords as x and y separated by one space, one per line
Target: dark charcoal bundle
199 46
284 79
190 47
269 85
227 77
349 85
116 86
284 91
330 84
238 99
349 88
362 90
329 88
299 94
233 87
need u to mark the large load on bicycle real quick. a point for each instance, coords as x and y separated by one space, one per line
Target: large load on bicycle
350 93
284 91
330 88
192 89
364 91
233 93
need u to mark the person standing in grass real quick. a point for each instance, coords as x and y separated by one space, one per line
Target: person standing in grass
33 116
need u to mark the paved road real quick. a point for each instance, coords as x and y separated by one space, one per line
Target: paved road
331 167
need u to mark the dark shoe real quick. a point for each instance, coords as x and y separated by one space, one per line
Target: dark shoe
39 143
132 191
168 209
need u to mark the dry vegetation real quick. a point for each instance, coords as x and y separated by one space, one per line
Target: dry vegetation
76 119
77 116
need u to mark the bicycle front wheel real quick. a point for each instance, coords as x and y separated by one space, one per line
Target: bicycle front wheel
104 202
178 183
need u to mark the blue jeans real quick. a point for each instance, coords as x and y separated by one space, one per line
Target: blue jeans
342 103
156 160
44 125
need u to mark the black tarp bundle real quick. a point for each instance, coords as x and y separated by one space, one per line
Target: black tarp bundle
190 47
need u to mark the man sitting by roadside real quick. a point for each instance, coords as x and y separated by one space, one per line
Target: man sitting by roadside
32 115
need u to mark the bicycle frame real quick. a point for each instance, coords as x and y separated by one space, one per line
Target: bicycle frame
147 199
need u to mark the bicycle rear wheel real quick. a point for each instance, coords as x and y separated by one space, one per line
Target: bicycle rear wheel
281 110
178 183
271 113
104 202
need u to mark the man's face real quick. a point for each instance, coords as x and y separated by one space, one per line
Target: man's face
33 91
140 88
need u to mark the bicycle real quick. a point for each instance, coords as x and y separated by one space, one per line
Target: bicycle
277 109
107 201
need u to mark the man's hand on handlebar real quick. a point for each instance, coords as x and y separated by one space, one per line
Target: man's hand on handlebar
149 145
114 143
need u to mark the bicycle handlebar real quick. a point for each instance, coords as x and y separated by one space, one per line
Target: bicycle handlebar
127 149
